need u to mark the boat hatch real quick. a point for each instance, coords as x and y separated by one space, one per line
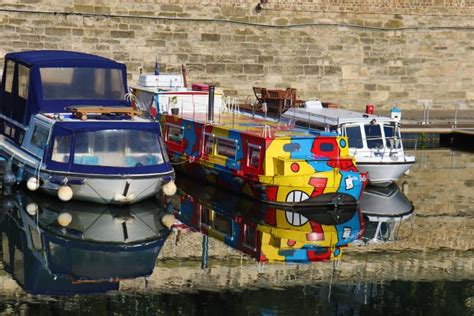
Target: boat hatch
107 148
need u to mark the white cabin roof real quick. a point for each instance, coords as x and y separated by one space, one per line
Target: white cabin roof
333 117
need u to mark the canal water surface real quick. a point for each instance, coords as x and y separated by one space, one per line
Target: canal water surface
408 249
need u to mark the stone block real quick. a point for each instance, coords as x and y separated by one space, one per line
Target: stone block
349 72
122 34
312 70
206 37
253 68
215 68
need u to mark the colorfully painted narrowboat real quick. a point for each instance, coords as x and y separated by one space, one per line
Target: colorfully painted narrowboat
264 159
265 232
66 127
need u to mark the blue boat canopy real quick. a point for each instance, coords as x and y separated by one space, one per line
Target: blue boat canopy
49 81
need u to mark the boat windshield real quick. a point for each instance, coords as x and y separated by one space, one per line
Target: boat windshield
392 136
81 83
373 135
110 148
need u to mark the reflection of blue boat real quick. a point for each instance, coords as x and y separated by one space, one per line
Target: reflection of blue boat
265 232
66 127
52 248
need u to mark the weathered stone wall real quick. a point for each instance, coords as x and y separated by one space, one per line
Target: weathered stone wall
348 52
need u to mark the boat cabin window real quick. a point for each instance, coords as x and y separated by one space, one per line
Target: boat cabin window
114 148
291 147
222 224
227 147
23 81
391 136
175 134
208 144
354 135
81 83
326 147
373 135
61 148
9 76
40 136
254 156
250 236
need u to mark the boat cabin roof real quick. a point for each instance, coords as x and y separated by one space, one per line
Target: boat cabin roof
49 81
332 117
253 126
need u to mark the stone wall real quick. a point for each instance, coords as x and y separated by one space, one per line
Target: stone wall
349 52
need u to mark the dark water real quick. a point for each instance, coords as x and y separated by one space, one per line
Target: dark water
406 250
393 298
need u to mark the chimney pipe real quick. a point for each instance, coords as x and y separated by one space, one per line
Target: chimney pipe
210 112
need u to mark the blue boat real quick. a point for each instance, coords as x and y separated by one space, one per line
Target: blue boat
67 127
64 249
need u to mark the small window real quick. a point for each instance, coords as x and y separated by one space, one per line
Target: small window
222 224
40 137
254 156
291 147
175 134
373 134
206 216
208 144
354 135
250 236
35 239
23 81
61 148
227 147
9 76
326 147
390 137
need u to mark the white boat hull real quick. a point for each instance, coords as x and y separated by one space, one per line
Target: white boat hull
382 172
111 191
105 189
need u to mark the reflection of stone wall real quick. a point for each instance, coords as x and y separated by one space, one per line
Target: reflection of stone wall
348 52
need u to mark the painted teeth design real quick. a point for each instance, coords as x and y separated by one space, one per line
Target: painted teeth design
296 196
295 219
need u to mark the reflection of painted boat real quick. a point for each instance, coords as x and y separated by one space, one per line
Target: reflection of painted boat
67 128
374 140
384 208
265 232
53 248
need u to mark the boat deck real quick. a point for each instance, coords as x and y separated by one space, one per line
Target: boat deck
250 125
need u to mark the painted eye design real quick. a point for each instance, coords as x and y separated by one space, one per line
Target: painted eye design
296 196
295 219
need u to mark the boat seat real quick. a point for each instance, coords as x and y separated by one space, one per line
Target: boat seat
86 160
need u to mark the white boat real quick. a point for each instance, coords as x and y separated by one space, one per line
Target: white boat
66 127
374 140
385 209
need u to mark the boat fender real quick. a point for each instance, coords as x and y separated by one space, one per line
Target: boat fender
32 208
168 220
169 188
64 219
33 184
65 193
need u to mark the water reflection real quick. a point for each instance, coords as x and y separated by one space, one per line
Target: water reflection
384 208
264 232
65 248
